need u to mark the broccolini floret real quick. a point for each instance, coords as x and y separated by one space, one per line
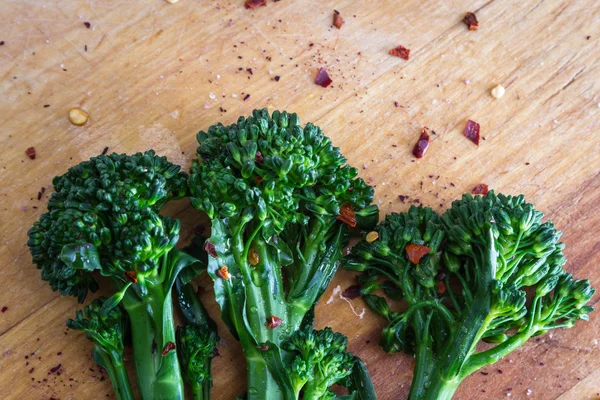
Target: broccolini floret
281 201
107 331
104 216
489 269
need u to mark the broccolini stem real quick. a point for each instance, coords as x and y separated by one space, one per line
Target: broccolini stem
261 384
424 359
142 334
441 389
115 367
168 384
311 250
494 354
197 391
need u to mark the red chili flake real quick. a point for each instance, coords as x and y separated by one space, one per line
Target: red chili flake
471 21
351 292
441 288
249 70
223 273
105 150
401 52
482 188
30 152
252 4
396 104
87 24
131 276
277 78
2 43
258 179
31 370
323 78
472 131
264 347
168 347
210 249
4 309
338 21
273 322
347 215
422 144
54 369
246 97
415 252
259 157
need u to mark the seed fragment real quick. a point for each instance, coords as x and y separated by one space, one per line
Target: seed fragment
372 236
78 117
498 92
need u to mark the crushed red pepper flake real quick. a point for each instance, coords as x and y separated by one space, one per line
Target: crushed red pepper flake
416 251
400 51
338 21
87 25
4 309
223 273
131 276
264 347
472 131
422 144
347 215
482 188
30 152
441 287
471 21
351 292
273 322
252 4
259 157
105 150
168 347
210 249
323 78
246 97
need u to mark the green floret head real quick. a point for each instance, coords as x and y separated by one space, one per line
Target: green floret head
105 330
273 168
195 347
319 361
489 269
104 216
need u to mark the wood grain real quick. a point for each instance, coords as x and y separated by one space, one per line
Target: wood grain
155 73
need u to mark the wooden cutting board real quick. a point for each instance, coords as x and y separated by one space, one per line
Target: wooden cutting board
151 74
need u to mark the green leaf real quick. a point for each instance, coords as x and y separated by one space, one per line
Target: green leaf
278 369
81 256
361 387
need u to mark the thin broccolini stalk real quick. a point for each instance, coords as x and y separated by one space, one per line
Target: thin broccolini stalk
107 332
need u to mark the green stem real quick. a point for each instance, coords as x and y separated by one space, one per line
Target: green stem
168 384
198 391
423 362
115 367
494 354
261 384
142 335
441 389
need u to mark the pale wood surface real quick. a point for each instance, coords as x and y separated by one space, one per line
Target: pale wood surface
155 73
